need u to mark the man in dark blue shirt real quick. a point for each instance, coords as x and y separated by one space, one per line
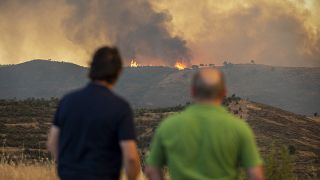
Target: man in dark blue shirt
93 129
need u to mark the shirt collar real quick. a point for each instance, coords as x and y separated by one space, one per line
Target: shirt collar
96 85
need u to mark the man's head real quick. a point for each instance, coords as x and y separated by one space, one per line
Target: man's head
208 85
106 65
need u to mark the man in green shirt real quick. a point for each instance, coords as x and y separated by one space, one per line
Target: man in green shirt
204 141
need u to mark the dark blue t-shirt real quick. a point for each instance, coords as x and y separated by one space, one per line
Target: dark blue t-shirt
92 122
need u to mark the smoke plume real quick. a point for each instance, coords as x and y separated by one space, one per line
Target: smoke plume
161 32
275 32
55 27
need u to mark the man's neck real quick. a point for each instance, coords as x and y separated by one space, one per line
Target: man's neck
103 83
215 102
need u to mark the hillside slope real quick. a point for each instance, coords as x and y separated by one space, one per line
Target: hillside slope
24 125
40 79
293 89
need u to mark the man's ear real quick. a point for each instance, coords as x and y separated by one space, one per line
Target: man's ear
223 93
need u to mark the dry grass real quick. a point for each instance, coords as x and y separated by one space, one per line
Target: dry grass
33 172
28 172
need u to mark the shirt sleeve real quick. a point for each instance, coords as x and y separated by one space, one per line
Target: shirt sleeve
249 154
126 129
156 157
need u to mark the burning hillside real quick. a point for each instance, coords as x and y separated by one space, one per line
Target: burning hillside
180 66
134 63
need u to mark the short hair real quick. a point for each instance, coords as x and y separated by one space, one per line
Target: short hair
106 65
208 90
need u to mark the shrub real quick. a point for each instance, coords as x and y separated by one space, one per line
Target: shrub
278 164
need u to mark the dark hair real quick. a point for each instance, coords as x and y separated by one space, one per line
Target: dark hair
106 65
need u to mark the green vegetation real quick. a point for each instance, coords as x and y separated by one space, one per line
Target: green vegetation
279 164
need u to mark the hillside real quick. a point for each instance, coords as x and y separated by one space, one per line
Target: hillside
24 126
293 89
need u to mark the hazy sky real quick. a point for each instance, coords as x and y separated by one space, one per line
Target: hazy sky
161 32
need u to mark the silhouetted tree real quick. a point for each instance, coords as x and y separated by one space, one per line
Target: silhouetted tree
194 66
227 64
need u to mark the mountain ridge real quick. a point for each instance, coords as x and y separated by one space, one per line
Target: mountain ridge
295 89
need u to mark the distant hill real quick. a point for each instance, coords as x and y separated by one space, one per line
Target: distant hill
290 88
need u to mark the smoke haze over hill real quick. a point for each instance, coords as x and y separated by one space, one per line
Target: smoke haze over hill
45 26
284 32
293 89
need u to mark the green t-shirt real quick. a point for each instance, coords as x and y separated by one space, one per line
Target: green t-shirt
204 142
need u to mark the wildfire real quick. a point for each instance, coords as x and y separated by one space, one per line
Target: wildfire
180 66
134 63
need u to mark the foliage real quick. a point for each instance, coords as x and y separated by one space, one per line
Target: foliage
278 164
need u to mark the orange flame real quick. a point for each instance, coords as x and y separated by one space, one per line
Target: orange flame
180 66
134 63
